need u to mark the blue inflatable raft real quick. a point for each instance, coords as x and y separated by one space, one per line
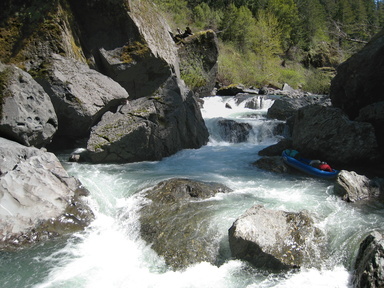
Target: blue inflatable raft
302 165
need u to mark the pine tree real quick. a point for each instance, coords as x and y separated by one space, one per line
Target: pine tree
313 24
287 14
239 24
267 39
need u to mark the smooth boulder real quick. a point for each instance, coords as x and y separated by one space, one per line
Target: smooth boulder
27 114
276 240
177 223
38 199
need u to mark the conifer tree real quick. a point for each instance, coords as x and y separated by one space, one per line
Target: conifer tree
287 14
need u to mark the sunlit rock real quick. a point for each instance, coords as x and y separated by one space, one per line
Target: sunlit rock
26 111
276 240
353 187
38 199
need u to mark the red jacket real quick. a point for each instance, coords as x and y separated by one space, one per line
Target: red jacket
325 167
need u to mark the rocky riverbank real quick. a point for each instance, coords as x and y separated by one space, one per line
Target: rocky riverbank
77 75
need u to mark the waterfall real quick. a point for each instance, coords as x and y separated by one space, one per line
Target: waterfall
230 120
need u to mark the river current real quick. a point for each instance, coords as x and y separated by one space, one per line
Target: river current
110 253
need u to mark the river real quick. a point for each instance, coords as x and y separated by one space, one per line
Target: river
110 253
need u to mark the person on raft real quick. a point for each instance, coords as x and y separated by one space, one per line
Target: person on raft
321 165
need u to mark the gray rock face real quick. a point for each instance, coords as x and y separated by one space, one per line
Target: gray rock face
286 107
141 76
276 240
80 95
358 81
27 114
369 265
327 133
131 45
353 187
358 86
374 114
149 128
38 199
177 226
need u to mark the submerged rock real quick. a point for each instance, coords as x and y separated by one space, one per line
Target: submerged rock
176 223
369 265
273 164
38 199
276 240
234 132
27 113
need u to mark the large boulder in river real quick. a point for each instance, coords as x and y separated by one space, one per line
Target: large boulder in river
80 95
38 199
177 224
26 112
149 128
276 240
369 265
353 187
326 133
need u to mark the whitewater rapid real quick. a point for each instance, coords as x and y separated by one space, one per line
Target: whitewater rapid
111 253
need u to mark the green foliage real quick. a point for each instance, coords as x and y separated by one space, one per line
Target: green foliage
294 77
206 18
267 39
176 10
192 72
257 37
318 81
288 18
239 26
